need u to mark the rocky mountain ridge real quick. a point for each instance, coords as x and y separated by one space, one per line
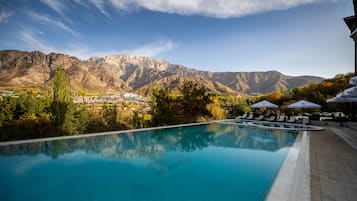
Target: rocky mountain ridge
123 73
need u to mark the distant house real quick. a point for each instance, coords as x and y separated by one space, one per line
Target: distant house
132 96
113 99
7 94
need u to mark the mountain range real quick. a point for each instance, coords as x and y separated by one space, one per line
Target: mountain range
124 73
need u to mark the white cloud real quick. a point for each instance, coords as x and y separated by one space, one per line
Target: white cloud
152 49
30 38
99 4
57 6
49 21
4 15
80 2
210 8
33 42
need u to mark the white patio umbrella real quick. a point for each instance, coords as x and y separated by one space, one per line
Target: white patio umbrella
347 96
264 104
337 99
341 100
304 104
352 92
353 81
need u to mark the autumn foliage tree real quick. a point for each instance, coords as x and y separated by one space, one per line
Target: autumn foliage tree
194 100
162 107
24 116
190 105
314 92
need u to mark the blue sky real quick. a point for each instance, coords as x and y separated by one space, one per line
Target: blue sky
296 37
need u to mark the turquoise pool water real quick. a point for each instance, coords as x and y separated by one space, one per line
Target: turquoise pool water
206 162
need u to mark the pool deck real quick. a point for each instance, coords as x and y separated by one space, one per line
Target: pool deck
333 162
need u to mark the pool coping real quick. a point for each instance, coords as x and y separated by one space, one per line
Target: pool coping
293 179
255 123
6 143
304 127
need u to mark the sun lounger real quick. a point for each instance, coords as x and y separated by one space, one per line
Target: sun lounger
243 116
271 118
250 117
292 119
305 120
281 118
261 117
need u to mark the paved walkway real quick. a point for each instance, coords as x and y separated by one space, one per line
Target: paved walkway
333 165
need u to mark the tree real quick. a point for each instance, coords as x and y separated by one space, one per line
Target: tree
138 120
195 100
189 106
216 109
110 115
239 106
314 92
7 108
161 105
62 107
81 120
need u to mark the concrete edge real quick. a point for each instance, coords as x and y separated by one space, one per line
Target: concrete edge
293 180
254 123
300 190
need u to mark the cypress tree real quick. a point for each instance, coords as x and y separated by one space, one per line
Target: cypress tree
62 106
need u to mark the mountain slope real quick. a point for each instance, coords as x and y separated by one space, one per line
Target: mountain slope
124 73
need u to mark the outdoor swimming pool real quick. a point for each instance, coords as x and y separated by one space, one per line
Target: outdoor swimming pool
202 162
